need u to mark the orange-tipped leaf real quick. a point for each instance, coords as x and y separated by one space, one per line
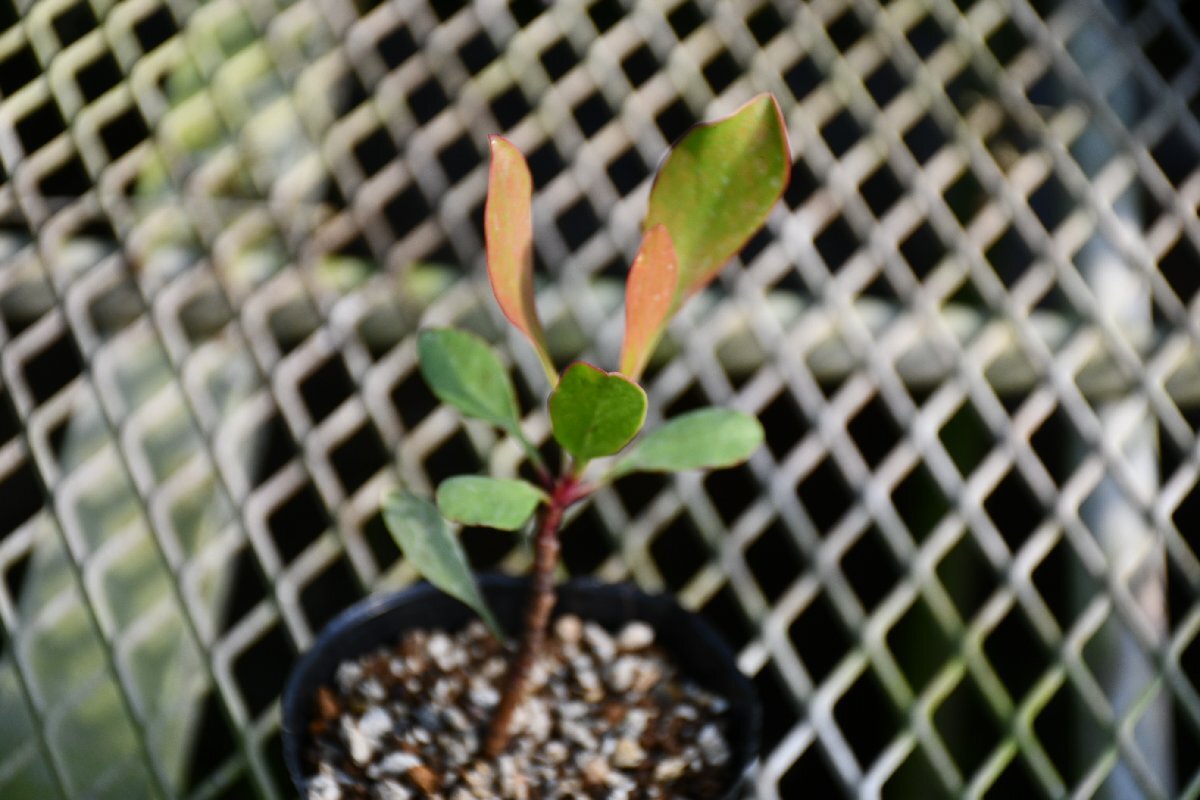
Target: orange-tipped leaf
508 229
649 293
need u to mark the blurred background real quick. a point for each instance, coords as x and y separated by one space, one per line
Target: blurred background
966 563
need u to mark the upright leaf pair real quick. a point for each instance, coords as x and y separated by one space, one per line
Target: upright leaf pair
713 192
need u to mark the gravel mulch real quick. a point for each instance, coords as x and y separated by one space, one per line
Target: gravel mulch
608 717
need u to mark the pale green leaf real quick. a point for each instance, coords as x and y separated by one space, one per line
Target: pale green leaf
502 503
463 371
709 438
433 550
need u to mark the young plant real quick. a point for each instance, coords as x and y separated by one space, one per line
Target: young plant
712 193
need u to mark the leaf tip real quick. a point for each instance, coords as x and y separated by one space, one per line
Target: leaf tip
498 141
785 140
508 164
771 110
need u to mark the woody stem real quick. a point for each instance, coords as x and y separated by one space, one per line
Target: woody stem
565 492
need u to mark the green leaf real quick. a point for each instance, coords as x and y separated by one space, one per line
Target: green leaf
708 438
503 503
463 371
649 293
508 231
432 549
717 186
595 413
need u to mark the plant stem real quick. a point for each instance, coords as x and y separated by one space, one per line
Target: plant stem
566 491
535 458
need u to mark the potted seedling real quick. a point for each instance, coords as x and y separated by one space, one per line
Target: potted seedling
603 691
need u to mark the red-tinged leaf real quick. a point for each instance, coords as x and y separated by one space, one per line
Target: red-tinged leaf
508 229
717 186
649 292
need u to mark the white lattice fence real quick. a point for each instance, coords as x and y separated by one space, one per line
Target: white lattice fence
964 565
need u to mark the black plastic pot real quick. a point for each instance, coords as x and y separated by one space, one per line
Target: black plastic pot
382 620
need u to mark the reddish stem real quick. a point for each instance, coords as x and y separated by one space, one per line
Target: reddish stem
565 491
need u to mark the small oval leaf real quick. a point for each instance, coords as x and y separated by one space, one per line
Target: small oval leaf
433 550
717 186
502 503
508 231
709 438
595 413
463 371
649 292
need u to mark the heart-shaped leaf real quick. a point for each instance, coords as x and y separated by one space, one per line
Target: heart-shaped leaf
463 371
708 438
432 549
508 230
649 292
717 186
503 503
595 413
